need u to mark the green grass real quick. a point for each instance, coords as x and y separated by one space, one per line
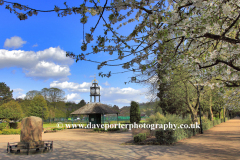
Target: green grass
54 125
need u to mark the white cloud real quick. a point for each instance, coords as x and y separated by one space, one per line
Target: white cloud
106 83
17 90
122 95
56 55
49 63
122 101
18 93
108 95
14 42
71 86
21 96
73 97
35 45
43 70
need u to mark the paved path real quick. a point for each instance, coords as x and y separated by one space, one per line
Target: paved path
220 142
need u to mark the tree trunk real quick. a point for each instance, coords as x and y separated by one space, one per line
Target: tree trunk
224 110
206 114
194 117
210 107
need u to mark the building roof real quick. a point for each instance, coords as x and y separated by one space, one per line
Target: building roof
95 108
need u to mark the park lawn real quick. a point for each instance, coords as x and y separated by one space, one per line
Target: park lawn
54 125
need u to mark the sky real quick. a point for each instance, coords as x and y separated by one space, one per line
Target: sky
33 57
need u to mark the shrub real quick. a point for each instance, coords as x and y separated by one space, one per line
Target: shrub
11 131
206 123
136 131
57 129
113 129
167 136
135 115
157 118
0 132
216 122
124 129
3 125
140 137
170 136
96 129
16 125
99 129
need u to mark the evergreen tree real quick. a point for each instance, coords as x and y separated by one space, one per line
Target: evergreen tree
5 93
135 115
116 108
81 103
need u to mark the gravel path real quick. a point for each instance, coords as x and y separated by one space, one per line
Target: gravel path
219 142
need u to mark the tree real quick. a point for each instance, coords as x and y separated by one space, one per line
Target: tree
31 94
11 110
5 93
45 93
70 106
231 99
191 26
51 114
178 92
38 107
135 115
81 103
55 95
116 108
25 106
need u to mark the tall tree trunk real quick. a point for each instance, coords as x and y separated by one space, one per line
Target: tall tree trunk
194 117
210 107
191 108
224 111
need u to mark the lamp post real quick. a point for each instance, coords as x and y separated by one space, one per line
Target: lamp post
201 88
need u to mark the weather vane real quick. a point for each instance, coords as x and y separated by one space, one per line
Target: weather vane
94 81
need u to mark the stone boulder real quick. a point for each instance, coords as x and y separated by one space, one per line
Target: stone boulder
31 129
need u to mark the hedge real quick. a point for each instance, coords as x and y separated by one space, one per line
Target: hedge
170 136
113 129
99 129
103 129
140 137
10 131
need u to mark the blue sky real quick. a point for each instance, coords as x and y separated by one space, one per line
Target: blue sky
32 56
